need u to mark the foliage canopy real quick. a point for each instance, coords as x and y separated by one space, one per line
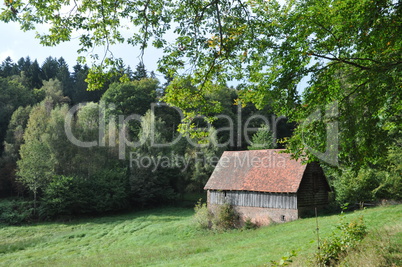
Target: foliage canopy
351 53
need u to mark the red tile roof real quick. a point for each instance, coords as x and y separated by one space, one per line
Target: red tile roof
257 170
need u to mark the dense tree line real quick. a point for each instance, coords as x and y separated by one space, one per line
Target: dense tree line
351 107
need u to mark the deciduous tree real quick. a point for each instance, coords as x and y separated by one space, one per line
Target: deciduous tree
36 166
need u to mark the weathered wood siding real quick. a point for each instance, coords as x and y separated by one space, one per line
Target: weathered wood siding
313 190
254 199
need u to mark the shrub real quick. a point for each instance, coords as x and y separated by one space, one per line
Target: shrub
16 212
103 192
357 187
379 248
151 187
248 224
225 218
202 216
341 241
59 197
109 190
285 260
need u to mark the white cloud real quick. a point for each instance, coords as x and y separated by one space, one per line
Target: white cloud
5 54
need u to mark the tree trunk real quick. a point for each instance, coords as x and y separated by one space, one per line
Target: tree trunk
35 191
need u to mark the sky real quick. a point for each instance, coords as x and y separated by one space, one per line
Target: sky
16 44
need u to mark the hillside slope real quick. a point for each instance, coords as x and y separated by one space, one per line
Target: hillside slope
168 237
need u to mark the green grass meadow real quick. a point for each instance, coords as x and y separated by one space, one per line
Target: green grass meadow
169 237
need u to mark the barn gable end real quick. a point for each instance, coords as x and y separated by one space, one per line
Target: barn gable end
313 189
266 185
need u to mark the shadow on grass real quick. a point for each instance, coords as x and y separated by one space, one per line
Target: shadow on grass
333 209
71 227
321 212
19 245
159 214
183 206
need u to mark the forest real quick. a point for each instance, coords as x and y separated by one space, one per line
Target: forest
348 117
56 177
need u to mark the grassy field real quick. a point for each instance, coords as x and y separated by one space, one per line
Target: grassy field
168 237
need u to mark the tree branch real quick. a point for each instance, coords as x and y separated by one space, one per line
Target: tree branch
145 27
218 17
346 61
354 91
105 32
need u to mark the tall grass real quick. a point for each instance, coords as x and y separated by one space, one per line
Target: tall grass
381 247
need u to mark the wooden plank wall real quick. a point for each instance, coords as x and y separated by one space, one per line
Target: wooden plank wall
313 190
254 199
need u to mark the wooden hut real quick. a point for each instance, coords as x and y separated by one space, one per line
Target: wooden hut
267 185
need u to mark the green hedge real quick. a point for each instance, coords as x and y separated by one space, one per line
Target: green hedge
105 191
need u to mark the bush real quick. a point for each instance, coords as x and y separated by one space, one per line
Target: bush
381 247
357 187
59 197
285 260
248 224
202 216
109 190
103 192
226 218
151 187
16 212
338 245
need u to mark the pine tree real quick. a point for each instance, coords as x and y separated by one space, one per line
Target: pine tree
262 139
8 68
63 75
50 68
34 75
140 72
